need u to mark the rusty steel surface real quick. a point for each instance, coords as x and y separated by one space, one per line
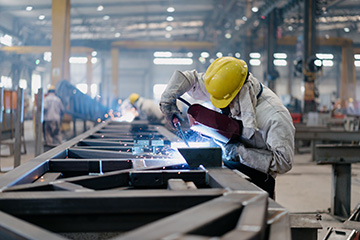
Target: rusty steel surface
125 181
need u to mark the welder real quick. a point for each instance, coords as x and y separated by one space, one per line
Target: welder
147 109
267 132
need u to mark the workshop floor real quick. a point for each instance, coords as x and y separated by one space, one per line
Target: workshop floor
305 189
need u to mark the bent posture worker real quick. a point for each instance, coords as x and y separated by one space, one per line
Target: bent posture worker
267 125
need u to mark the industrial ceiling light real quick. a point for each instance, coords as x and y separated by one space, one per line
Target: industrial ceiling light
41 17
228 35
346 29
29 8
169 18
190 54
106 17
117 35
162 54
254 9
219 54
290 28
93 53
100 8
205 54
168 35
280 55
169 28
237 55
170 9
255 55
173 61
244 18
255 62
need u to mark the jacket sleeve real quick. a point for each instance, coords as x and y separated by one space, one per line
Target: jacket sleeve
277 157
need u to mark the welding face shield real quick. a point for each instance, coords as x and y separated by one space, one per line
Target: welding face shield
214 124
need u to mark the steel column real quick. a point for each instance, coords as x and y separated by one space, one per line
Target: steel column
348 74
115 73
60 42
89 72
1 116
341 190
309 50
271 41
39 122
18 126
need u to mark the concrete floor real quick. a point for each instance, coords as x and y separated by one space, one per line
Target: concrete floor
304 189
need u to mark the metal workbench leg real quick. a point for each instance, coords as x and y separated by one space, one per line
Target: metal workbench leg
341 190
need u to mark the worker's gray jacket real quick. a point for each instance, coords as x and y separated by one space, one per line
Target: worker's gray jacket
53 108
148 109
267 123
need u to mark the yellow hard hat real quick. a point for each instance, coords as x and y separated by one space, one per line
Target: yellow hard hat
51 88
224 79
134 97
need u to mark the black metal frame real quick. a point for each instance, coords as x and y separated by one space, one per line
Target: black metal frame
85 185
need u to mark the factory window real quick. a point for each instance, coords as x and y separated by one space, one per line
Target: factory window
6 82
158 89
23 83
83 87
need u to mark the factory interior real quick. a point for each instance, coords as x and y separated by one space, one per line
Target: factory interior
95 144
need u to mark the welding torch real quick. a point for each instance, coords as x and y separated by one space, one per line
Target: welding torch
177 125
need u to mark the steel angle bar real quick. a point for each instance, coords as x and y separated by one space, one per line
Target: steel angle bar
331 135
66 186
48 177
90 154
26 173
123 139
226 178
213 218
252 222
127 136
13 228
160 178
92 142
104 202
126 132
89 165
107 148
36 167
279 223
336 153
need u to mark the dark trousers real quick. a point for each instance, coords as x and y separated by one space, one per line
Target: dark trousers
260 179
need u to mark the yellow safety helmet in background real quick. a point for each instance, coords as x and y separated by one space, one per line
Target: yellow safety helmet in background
224 79
51 88
134 97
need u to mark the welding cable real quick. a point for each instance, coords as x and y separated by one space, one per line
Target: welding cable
184 101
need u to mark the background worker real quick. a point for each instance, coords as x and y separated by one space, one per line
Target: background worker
267 144
53 113
147 109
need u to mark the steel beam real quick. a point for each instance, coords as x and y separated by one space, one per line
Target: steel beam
341 157
60 42
91 192
39 115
